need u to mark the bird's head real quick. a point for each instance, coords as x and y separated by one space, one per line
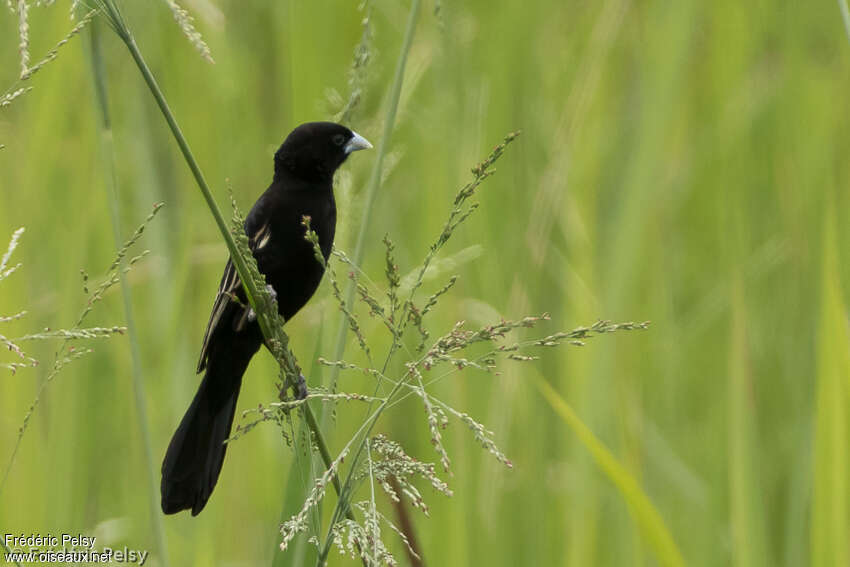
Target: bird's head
315 150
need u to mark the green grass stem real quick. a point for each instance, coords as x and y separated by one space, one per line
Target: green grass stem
829 521
845 16
111 184
375 179
645 514
7 550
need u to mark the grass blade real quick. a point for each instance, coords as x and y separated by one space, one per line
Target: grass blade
375 179
108 158
301 473
7 550
829 525
644 513
746 507
845 16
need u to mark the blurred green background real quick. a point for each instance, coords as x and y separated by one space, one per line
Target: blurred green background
681 162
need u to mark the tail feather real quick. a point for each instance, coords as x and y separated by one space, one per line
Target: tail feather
196 453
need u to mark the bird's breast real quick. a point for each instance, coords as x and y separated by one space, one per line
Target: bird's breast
288 260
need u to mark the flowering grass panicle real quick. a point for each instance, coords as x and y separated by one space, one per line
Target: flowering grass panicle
375 459
186 22
21 8
298 523
364 53
66 352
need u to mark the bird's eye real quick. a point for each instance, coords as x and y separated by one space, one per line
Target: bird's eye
338 139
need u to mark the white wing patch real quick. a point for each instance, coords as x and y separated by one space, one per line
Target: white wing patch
230 286
259 240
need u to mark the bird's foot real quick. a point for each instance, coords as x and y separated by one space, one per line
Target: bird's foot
301 387
252 316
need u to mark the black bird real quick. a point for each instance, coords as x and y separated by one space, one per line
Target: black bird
302 186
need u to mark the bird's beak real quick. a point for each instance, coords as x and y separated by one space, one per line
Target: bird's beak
357 142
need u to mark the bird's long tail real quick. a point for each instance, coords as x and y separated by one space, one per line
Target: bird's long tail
196 452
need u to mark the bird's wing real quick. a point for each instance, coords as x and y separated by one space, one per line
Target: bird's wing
229 292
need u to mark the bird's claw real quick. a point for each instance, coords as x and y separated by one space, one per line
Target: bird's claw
252 316
301 387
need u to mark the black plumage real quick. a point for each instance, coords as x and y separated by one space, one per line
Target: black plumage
302 186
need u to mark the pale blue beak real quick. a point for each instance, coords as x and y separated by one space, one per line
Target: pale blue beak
357 142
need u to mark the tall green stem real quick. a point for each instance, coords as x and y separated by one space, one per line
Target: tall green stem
108 158
7 550
845 15
343 504
371 191
375 177
237 259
